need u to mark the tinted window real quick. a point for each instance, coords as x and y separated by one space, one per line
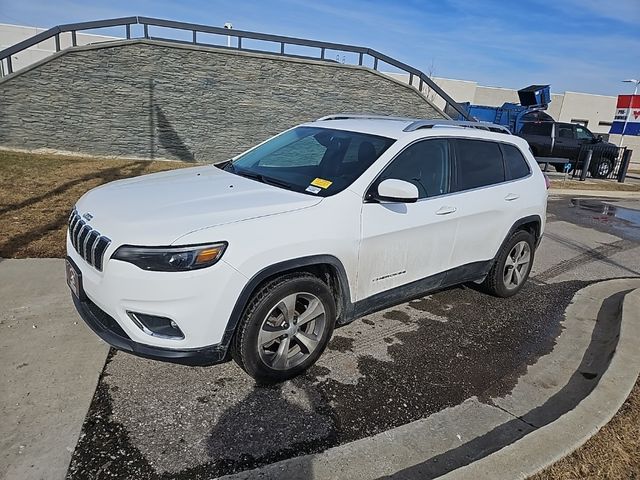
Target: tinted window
583 134
536 128
426 164
517 166
564 131
479 163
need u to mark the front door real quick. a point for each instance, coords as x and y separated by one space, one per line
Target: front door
405 242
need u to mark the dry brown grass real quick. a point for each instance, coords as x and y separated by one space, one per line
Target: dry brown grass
613 453
37 192
600 185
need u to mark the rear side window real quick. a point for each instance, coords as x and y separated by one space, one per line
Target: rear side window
564 131
479 163
537 128
517 166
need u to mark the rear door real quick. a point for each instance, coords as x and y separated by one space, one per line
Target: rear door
566 144
483 201
405 242
539 136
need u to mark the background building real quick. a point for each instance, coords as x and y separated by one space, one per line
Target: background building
595 112
12 34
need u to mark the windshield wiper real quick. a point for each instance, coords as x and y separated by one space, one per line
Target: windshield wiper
261 178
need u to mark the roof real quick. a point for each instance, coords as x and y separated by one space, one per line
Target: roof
396 127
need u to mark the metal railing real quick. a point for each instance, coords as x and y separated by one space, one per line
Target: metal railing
363 53
602 161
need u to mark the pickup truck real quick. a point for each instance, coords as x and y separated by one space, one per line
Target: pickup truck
560 144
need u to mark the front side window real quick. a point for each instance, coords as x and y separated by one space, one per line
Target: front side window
313 160
479 163
426 164
583 134
517 166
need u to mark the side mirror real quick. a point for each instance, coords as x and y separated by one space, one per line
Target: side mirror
599 138
394 190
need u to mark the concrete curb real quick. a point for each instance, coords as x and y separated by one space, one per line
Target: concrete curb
528 429
545 446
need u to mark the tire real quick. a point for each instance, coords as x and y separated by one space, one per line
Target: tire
272 323
602 169
499 282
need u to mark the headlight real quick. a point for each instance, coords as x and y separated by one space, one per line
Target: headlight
171 259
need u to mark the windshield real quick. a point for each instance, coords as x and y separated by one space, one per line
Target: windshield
317 161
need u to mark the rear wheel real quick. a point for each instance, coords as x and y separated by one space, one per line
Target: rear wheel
285 328
512 266
602 168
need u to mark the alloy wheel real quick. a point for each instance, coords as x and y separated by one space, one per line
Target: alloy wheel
516 265
291 331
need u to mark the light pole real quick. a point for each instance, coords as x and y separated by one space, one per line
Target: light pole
228 26
626 118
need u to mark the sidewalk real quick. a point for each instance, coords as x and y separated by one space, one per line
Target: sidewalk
50 363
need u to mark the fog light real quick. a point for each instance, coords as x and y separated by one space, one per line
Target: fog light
155 326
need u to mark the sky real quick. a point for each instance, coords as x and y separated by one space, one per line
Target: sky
574 45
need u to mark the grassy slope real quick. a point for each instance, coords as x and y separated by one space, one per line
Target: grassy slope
37 193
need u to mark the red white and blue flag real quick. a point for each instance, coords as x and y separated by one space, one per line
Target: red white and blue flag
627 115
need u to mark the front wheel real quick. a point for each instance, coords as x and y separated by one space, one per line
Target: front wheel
285 327
512 266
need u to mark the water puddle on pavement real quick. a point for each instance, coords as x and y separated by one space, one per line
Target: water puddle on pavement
607 212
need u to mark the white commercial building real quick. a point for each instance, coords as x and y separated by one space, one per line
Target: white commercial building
12 34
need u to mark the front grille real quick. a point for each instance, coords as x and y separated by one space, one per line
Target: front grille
87 241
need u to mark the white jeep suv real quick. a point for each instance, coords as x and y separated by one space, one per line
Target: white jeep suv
259 258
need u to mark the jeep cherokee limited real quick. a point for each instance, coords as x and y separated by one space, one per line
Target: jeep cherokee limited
259 258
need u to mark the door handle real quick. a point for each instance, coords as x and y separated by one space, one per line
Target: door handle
511 197
446 210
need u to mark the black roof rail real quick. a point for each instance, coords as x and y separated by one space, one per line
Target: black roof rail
492 127
364 116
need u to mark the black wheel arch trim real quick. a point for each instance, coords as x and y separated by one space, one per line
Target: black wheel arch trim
523 221
282 267
349 310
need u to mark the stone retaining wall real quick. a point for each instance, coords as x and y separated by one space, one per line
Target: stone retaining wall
152 99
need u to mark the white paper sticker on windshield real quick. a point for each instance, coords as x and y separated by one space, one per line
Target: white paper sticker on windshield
312 189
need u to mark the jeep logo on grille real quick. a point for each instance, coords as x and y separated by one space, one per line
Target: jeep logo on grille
87 216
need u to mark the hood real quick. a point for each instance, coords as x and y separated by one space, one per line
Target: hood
159 208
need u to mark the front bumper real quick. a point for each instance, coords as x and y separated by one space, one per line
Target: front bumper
111 332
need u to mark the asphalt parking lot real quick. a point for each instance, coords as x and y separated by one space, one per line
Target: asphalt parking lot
157 420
